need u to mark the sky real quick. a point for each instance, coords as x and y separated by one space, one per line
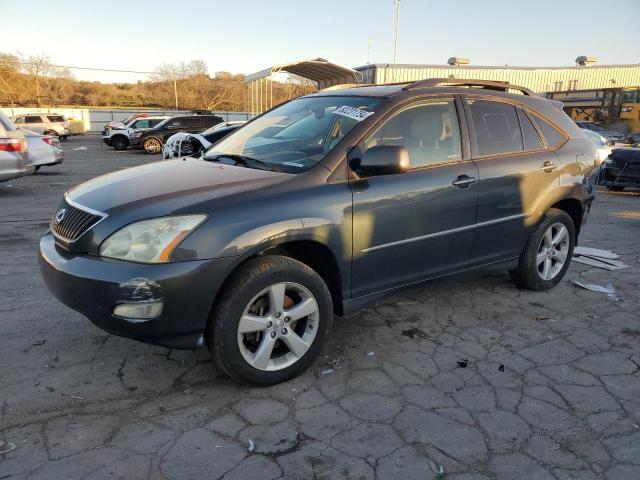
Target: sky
244 36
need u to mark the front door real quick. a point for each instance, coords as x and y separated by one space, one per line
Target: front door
419 224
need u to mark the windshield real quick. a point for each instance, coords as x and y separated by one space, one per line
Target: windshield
296 136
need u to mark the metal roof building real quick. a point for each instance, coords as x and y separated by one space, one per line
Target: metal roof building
538 79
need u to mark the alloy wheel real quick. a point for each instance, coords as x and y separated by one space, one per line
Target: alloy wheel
552 251
152 145
278 326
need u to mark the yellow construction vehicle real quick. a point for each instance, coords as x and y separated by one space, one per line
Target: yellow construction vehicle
615 108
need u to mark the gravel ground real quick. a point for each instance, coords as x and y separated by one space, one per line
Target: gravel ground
551 387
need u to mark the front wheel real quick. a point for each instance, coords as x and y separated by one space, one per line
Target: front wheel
120 142
152 145
547 254
271 321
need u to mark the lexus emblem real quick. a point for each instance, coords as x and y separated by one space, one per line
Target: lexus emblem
60 215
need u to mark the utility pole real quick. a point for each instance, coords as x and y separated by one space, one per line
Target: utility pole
395 45
369 52
175 90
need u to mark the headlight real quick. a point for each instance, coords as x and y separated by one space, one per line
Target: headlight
150 241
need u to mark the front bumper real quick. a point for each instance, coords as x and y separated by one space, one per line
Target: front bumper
613 176
93 286
107 140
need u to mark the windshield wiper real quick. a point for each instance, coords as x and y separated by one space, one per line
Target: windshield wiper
248 162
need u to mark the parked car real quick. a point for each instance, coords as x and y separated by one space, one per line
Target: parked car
317 207
14 158
43 150
151 140
184 144
44 124
621 170
115 124
610 135
603 147
118 137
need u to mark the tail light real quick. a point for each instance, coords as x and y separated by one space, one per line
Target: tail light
11 145
53 141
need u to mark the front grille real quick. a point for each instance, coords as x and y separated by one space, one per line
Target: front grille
71 224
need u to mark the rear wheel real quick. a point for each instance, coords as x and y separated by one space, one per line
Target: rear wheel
119 142
152 145
547 254
614 188
271 320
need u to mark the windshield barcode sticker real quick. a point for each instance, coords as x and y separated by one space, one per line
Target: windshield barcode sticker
352 112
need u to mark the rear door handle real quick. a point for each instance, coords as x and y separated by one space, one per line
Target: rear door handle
463 181
548 166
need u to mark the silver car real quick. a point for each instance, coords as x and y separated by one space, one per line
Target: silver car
14 159
44 150
44 124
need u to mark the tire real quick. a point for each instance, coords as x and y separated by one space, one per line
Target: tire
528 274
614 188
152 145
119 142
248 293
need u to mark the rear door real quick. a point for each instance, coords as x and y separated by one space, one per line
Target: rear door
420 224
518 173
35 123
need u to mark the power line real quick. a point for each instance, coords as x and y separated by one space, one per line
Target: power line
94 69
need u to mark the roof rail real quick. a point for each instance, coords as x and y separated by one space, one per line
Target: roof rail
460 82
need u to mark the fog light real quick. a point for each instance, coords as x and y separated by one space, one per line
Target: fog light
138 311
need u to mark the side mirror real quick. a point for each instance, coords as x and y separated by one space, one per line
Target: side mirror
384 160
611 143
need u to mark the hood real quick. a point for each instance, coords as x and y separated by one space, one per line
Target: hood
175 183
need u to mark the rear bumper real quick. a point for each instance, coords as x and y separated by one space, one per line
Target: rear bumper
94 286
15 168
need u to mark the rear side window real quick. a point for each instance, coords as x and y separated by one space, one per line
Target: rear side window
530 137
210 121
497 127
32 120
176 123
193 123
551 134
55 118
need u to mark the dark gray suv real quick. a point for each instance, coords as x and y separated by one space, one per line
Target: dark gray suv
320 206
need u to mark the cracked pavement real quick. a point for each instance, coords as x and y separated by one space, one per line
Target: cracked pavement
551 387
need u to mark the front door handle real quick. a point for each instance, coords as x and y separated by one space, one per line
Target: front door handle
463 181
548 166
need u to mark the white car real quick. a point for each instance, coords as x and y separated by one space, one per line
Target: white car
44 150
118 135
44 124
183 143
603 147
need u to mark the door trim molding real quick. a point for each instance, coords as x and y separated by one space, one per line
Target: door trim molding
443 233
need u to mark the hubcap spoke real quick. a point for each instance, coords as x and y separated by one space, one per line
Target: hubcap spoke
263 354
548 238
559 236
305 308
276 297
295 343
546 270
559 256
541 257
252 323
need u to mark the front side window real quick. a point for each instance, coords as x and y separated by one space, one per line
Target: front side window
429 131
497 127
55 118
297 135
141 124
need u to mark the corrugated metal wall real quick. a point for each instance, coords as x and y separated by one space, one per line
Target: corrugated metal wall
537 79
